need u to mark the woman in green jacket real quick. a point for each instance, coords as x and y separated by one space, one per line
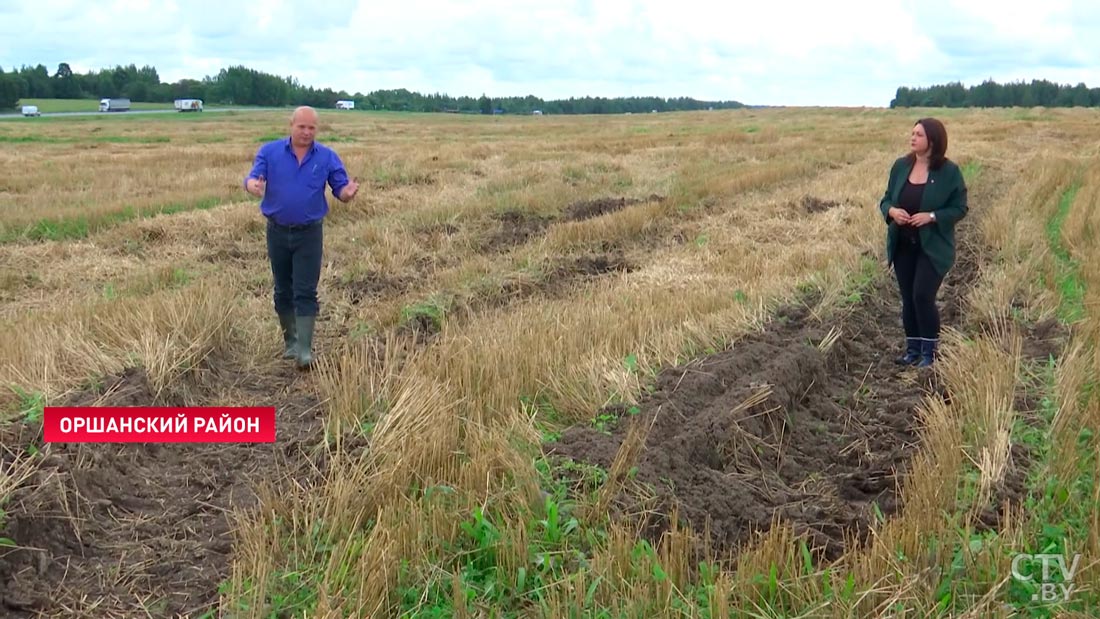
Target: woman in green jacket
925 197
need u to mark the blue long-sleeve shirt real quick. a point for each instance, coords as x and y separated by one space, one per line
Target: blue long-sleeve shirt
295 193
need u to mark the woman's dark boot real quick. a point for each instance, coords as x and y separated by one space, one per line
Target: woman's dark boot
927 353
912 352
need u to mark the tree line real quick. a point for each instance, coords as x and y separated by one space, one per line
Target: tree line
992 94
239 85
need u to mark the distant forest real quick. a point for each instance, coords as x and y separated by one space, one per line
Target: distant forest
240 85
991 94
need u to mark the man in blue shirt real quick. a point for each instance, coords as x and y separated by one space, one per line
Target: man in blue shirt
289 176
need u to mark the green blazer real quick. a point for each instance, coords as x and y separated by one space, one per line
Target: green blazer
944 195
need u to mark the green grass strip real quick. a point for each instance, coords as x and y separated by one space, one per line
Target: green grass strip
80 226
1068 283
109 139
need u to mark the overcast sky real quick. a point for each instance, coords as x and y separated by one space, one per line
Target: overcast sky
766 52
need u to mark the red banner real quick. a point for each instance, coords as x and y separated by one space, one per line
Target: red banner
61 424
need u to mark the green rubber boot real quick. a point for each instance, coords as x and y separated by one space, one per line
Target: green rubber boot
305 341
290 335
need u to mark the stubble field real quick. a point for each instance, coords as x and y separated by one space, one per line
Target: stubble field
569 367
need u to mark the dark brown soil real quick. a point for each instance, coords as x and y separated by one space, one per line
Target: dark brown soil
959 278
514 228
421 326
1010 493
373 286
112 530
424 324
234 253
587 209
558 280
1044 340
576 270
588 266
435 237
811 204
819 451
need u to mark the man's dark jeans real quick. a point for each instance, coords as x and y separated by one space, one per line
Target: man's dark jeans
295 256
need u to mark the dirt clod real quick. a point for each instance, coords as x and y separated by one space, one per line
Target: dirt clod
587 209
812 204
514 228
372 286
1044 339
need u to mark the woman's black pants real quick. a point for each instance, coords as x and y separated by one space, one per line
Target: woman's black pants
919 282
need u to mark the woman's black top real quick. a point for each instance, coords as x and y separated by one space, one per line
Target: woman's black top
909 200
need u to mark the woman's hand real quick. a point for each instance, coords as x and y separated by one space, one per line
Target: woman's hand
920 219
899 215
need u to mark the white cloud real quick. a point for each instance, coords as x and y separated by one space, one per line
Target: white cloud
763 51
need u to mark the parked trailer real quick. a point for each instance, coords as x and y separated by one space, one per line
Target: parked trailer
31 110
114 105
188 105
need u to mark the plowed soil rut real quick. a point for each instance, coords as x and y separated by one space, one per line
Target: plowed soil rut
824 445
138 530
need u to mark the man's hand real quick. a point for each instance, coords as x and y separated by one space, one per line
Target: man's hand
899 215
920 219
349 190
256 186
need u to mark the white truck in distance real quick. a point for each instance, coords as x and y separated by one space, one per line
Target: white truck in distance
31 110
345 105
114 105
188 105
